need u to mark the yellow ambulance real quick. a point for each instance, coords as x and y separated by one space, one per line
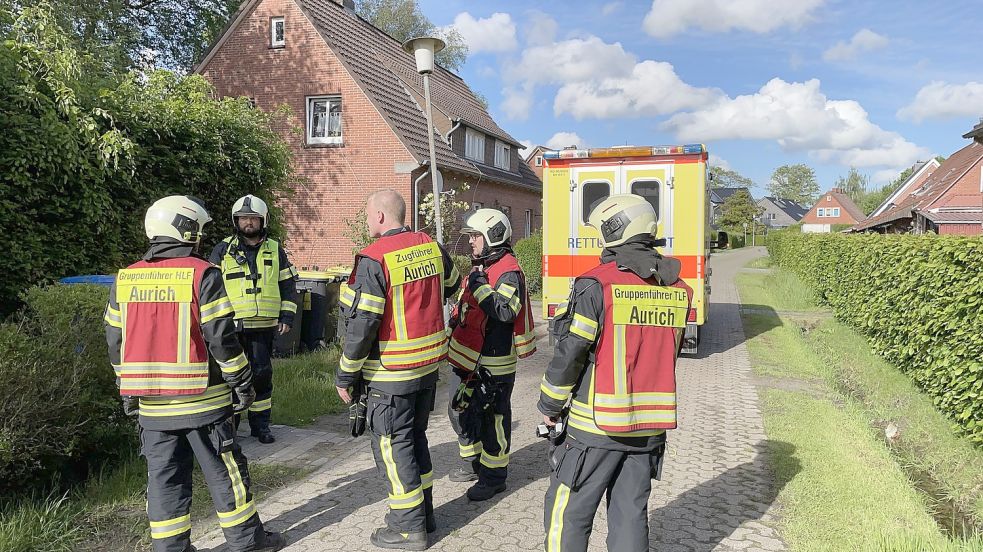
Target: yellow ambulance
672 178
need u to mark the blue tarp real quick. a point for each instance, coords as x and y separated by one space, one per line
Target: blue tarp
100 279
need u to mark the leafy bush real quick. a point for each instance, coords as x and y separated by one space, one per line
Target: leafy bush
463 264
529 252
83 156
60 413
917 298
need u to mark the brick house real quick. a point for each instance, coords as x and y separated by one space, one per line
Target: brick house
534 159
833 207
948 201
357 123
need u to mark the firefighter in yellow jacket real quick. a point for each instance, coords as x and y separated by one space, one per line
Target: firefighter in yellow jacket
172 345
395 340
493 328
613 372
261 283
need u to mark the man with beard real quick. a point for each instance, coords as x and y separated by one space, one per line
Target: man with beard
261 283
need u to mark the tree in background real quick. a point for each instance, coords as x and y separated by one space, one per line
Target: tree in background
795 182
725 178
739 210
403 20
854 185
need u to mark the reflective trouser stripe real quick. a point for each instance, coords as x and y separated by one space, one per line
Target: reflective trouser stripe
399 498
238 489
237 516
261 406
469 451
501 459
426 480
555 532
170 527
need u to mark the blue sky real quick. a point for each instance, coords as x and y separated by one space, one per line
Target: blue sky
829 83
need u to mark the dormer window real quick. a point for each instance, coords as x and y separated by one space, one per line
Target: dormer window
503 157
474 145
278 37
539 160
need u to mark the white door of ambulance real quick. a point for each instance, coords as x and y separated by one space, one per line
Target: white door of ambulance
654 183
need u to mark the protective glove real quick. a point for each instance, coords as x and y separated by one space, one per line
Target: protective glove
246 395
476 279
131 406
462 373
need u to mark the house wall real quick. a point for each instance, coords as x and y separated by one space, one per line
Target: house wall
815 228
960 229
781 220
333 181
826 201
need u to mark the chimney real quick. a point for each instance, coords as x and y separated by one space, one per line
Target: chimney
347 4
837 190
977 132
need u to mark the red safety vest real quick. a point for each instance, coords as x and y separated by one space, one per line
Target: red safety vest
469 336
163 351
412 333
633 386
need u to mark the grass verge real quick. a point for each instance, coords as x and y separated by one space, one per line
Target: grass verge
108 514
921 488
303 387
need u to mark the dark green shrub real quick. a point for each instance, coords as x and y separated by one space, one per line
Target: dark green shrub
60 413
918 300
529 252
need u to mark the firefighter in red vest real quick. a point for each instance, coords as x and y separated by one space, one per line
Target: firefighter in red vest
172 344
395 340
612 380
493 328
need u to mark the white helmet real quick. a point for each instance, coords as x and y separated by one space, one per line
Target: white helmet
492 224
623 216
178 217
250 206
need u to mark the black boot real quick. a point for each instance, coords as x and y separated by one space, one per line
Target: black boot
466 473
482 491
385 537
271 542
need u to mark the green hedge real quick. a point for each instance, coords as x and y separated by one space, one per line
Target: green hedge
83 154
529 252
60 416
917 298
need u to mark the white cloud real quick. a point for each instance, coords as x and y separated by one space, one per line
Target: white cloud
651 89
573 60
527 147
717 161
489 34
671 17
561 140
800 118
865 40
518 102
941 100
611 7
542 30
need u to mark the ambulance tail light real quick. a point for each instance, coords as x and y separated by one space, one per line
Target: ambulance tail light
551 310
691 317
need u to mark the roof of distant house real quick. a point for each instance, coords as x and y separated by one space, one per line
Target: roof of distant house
720 195
791 208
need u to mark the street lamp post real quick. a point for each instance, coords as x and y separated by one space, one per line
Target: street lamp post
424 49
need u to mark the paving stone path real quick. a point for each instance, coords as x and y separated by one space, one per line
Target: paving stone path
717 492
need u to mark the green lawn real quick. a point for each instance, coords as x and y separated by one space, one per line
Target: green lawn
832 399
303 387
108 514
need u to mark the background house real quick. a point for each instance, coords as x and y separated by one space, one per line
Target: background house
948 201
357 122
833 207
534 159
780 213
920 172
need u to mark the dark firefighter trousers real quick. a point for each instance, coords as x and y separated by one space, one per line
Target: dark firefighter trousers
398 428
258 345
489 455
170 461
580 477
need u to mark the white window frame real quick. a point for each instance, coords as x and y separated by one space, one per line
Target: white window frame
309 126
503 155
274 43
528 222
539 163
821 212
474 145
836 212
